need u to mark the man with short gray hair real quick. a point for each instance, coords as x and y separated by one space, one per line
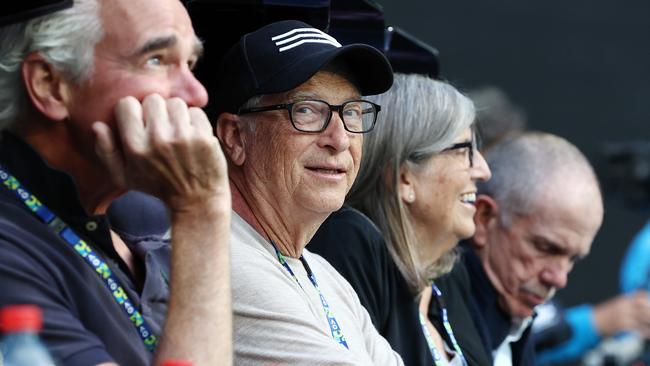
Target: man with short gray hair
535 218
96 99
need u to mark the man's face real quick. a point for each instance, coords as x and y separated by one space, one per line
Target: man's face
148 47
529 260
303 173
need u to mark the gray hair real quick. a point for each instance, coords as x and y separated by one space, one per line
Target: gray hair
66 39
250 120
419 118
525 167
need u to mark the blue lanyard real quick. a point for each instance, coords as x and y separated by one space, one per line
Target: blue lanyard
94 260
337 332
437 357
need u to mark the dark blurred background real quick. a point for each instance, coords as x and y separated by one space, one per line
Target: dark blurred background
579 69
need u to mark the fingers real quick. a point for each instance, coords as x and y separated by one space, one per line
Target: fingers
168 150
179 117
155 119
200 121
640 308
629 312
108 153
129 124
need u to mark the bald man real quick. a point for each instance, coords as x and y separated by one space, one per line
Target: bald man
535 218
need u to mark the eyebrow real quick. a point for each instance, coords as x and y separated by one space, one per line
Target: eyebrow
198 47
304 95
156 44
558 248
161 43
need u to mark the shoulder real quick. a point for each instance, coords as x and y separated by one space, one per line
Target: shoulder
353 245
350 232
458 279
26 241
355 221
256 274
330 278
323 269
248 248
36 268
353 216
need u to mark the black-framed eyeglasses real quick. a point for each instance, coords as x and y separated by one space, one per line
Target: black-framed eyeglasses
469 145
358 116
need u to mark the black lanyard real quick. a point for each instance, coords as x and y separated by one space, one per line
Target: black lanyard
336 331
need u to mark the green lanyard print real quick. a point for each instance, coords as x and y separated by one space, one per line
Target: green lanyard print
336 331
437 357
86 252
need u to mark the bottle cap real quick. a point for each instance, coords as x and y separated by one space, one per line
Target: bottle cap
176 363
21 318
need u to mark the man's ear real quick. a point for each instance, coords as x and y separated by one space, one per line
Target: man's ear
486 218
46 87
406 185
229 130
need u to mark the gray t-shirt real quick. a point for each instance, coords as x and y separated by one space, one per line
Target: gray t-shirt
278 321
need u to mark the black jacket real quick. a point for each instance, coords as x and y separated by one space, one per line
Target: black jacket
472 304
355 247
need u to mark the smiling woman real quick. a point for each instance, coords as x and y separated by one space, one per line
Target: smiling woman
417 183
411 184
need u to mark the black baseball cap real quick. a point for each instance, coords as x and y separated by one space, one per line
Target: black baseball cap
19 11
282 55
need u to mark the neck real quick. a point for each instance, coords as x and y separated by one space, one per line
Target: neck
289 237
425 300
64 151
431 247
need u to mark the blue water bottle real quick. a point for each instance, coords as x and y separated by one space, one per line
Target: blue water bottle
20 344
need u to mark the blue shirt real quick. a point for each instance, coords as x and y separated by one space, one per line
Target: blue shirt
83 325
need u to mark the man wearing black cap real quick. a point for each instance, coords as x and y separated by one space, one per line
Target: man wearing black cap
291 122
104 293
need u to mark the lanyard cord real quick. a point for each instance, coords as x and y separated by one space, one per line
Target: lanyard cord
437 357
337 332
92 258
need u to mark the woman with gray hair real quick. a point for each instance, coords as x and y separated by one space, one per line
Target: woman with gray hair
417 183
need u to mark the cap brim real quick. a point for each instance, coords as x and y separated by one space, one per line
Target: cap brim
371 70
15 12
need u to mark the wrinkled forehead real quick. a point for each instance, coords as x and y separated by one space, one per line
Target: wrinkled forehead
138 20
563 230
325 85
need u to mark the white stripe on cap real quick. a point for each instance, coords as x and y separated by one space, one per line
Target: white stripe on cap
302 36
